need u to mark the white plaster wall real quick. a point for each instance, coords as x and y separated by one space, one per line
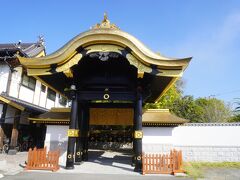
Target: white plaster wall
56 138
157 135
206 135
15 82
37 93
198 143
26 94
4 73
50 104
43 98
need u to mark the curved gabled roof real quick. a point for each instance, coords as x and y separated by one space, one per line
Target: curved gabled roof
104 34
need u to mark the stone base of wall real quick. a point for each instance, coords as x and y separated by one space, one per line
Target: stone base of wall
198 153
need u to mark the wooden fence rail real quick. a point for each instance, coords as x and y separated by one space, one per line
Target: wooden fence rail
40 159
162 163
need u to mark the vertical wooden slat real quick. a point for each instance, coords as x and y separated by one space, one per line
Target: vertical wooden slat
40 159
162 163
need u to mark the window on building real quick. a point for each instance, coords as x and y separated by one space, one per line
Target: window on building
51 94
62 100
43 88
28 82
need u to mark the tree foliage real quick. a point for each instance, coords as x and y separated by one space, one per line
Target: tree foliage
167 100
186 107
195 110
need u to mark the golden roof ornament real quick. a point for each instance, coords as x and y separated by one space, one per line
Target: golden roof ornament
105 24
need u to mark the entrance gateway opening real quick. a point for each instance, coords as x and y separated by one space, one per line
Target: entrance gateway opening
108 75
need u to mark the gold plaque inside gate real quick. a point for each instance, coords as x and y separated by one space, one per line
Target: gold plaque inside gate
111 116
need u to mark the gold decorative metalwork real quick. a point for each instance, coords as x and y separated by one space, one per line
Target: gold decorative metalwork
139 158
73 133
11 103
140 74
105 24
69 156
106 96
138 134
74 60
138 64
78 153
104 48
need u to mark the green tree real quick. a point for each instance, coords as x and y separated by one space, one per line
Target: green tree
167 100
187 108
214 110
236 113
238 106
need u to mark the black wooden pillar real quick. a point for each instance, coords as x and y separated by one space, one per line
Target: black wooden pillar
79 141
138 134
85 131
72 132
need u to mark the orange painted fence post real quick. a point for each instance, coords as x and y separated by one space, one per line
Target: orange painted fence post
40 159
162 163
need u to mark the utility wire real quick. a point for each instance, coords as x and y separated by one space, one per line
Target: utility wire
223 93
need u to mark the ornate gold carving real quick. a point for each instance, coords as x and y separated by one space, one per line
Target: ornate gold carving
68 73
74 60
138 134
104 48
140 74
135 62
105 24
73 133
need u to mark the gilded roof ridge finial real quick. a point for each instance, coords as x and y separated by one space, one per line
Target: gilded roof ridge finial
105 23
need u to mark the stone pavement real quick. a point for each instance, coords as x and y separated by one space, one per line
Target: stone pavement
11 164
104 162
83 176
101 165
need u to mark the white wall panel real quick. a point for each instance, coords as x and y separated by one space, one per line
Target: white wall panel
4 73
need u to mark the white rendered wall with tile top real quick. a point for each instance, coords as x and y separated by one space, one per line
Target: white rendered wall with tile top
205 142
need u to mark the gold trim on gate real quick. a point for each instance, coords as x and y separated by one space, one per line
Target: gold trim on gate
78 153
139 158
106 96
138 134
69 156
73 133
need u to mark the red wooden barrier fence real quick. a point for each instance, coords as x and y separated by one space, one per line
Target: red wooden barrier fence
40 159
162 163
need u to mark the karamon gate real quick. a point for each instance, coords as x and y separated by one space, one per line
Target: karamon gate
108 75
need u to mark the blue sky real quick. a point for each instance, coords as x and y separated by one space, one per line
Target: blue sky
208 30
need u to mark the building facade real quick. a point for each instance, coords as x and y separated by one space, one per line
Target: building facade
22 96
109 75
